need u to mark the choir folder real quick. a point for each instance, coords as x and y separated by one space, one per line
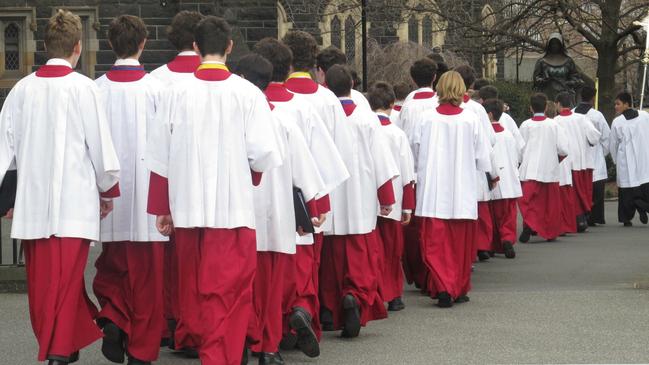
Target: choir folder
302 217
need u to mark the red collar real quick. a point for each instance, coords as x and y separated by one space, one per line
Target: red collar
348 106
539 118
449 109
278 92
126 73
397 108
212 74
424 95
272 107
497 127
384 120
184 64
301 85
565 112
466 98
53 71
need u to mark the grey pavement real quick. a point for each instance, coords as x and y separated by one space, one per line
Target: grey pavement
570 301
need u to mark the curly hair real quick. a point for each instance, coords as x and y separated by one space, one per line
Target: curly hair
304 48
181 31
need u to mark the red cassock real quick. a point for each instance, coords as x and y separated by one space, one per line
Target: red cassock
503 213
568 210
171 309
448 248
582 182
541 206
391 273
413 264
129 287
59 308
485 231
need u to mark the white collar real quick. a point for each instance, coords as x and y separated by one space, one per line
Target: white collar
58 62
127 62
213 63
382 114
345 98
187 53
425 89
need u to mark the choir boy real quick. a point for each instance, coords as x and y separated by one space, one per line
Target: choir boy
401 92
212 141
54 132
300 287
450 143
508 190
545 146
599 151
506 121
334 56
349 282
129 276
582 135
275 217
304 48
629 135
381 98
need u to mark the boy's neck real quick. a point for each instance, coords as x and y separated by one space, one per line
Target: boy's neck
383 111
213 58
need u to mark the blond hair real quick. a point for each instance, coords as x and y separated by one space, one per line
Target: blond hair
62 33
451 88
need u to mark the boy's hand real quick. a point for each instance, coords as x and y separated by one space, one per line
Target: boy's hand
405 218
386 210
105 207
10 214
301 232
165 225
317 222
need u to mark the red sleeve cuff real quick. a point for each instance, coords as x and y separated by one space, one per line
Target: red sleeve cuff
158 203
256 177
386 194
324 205
408 197
312 206
111 193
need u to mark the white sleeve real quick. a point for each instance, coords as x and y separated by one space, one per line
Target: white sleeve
385 168
303 166
407 161
614 141
263 152
563 142
159 134
605 131
7 154
329 163
483 148
592 134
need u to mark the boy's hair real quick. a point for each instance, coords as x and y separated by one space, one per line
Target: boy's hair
126 33
436 57
256 69
468 75
551 110
213 36
539 102
442 68
565 99
278 54
495 107
401 90
480 83
181 31
451 88
381 96
339 80
423 72
588 93
330 56
625 97
304 48
62 33
488 92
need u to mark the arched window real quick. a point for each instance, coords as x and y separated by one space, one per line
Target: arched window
12 47
427 32
336 33
284 24
350 38
413 30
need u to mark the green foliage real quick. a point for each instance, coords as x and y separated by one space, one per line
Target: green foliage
517 96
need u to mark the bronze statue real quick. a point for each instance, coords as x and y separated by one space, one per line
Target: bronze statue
556 71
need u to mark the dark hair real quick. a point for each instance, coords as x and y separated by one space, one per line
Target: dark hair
381 96
480 83
304 48
423 72
588 93
442 68
213 36
256 69
436 57
126 33
495 107
339 80
488 92
357 81
62 34
565 99
330 56
181 31
468 75
625 97
278 54
539 102
401 90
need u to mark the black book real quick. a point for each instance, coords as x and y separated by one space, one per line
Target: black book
8 192
302 216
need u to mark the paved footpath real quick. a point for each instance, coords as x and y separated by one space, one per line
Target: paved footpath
570 301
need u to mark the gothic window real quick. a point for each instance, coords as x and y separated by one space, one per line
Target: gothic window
12 47
427 32
413 30
336 33
350 38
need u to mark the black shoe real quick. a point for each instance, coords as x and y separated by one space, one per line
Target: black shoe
190 353
643 217
492 253
307 341
57 362
483 256
271 358
508 247
74 358
553 239
582 224
444 300
628 224
326 320
525 235
462 299
244 356
134 361
396 305
352 317
289 342
171 325
113 343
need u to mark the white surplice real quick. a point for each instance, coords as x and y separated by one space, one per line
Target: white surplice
489 139
600 150
451 148
130 110
360 100
544 143
274 210
353 204
168 77
208 137
629 150
412 110
56 131
582 135
402 155
508 155
510 124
